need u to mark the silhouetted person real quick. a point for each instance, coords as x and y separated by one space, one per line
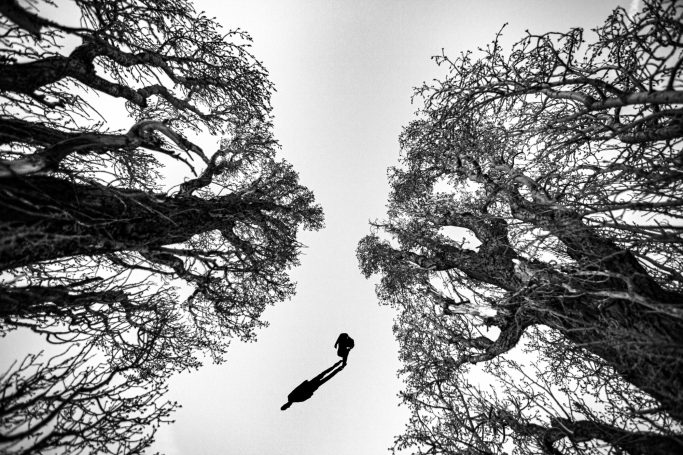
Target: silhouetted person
344 344
305 390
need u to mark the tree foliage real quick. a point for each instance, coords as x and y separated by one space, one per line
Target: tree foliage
98 246
533 245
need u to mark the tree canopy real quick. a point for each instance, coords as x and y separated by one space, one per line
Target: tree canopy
533 244
99 247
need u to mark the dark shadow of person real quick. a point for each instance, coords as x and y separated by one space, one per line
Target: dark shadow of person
305 390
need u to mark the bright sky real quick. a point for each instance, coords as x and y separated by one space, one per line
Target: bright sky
344 73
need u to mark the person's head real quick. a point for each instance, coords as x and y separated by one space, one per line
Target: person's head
286 405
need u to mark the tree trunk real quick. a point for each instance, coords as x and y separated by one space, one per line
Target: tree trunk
644 347
633 443
44 218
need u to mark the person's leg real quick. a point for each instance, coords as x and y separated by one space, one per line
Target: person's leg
323 381
321 375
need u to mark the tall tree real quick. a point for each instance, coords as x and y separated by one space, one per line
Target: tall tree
97 245
528 401
540 187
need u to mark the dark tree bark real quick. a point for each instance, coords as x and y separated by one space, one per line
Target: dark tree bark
580 431
633 443
46 218
638 342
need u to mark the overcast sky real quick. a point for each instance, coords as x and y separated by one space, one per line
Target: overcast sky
344 73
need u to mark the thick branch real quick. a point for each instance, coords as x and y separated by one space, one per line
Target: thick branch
577 431
30 22
22 131
634 443
140 135
491 231
511 332
36 301
29 77
476 266
216 165
587 247
44 218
